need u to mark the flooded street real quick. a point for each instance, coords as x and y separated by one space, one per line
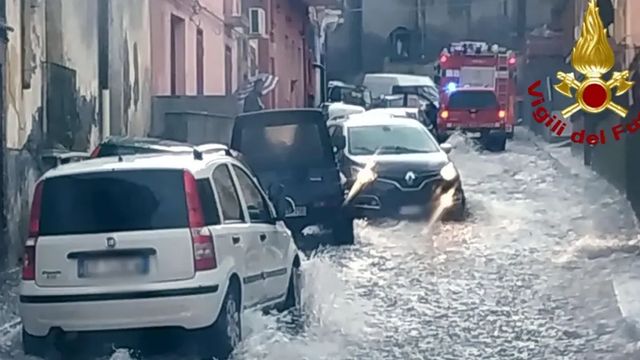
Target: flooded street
530 275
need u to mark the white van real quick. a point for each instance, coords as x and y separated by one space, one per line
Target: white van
382 84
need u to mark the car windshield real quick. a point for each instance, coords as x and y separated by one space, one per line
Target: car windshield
113 201
476 99
389 139
285 146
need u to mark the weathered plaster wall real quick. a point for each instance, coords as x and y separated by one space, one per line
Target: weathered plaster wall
53 88
72 56
130 67
23 120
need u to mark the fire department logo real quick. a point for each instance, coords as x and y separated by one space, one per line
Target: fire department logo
592 56
410 177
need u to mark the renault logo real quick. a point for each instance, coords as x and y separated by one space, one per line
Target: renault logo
410 177
111 242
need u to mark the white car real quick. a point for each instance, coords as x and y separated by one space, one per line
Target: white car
153 241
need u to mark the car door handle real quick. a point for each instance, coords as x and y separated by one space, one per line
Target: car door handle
263 237
235 240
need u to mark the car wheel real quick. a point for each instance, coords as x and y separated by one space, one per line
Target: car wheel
343 232
293 301
223 336
497 143
458 212
39 346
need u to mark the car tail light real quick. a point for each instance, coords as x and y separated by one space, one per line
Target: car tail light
443 58
29 257
444 114
95 152
502 114
204 255
512 61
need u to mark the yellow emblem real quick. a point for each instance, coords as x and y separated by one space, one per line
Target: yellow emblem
593 57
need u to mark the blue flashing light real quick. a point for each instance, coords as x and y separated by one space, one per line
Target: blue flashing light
451 87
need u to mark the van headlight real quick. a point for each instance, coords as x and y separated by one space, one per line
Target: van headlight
449 172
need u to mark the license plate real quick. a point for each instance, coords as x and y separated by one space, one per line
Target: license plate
473 134
298 211
410 210
113 267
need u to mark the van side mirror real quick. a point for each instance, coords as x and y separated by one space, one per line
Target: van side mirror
340 142
277 198
446 147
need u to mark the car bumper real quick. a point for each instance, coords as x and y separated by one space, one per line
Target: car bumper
382 199
187 308
482 129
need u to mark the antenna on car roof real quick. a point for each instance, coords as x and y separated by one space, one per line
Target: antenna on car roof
197 155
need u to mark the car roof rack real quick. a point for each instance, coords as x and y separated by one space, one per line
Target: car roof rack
200 150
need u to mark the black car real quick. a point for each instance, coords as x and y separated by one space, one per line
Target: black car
407 170
292 149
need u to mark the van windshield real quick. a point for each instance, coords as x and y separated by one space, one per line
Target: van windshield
113 201
284 146
476 99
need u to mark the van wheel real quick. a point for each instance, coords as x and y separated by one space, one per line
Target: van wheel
223 336
343 232
38 346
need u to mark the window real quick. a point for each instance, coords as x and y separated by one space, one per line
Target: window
200 61
208 201
257 206
476 99
228 70
133 200
178 69
302 144
228 195
390 139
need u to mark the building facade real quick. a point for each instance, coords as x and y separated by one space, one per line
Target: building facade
395 35
282 50
76 71
190 53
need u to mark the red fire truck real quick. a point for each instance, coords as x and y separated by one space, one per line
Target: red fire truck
477 91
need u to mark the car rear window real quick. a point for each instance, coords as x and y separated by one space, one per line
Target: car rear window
473 100
285 146
113 201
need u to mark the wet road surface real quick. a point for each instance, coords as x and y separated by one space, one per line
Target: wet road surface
529 276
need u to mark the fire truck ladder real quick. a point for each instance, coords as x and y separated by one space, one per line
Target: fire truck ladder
502 79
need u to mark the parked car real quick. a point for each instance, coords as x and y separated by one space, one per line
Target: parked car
153 242
411 169
293 148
